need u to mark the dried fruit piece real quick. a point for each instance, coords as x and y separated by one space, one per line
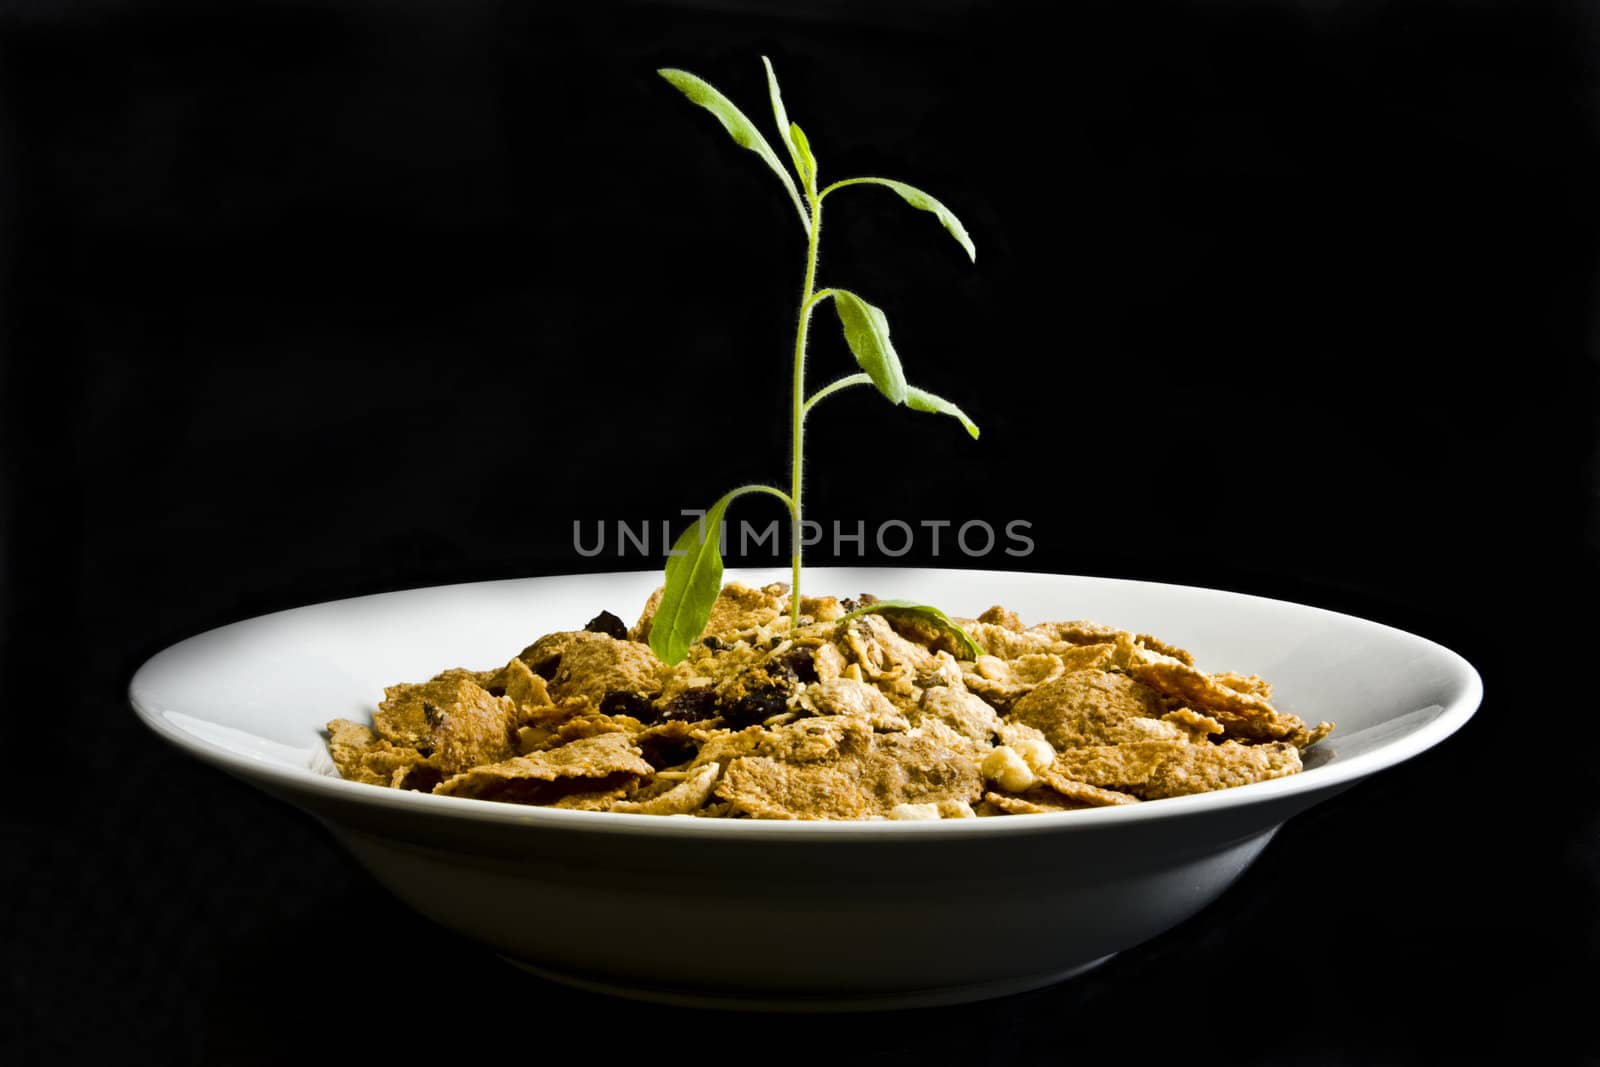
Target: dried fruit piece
608 624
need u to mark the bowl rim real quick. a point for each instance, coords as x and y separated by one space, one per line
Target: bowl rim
288 781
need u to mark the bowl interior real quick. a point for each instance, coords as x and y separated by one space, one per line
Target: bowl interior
254 696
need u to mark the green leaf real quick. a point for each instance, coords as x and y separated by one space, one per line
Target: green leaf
866 330
806 162
781 114
939 619
693 581
740 128
922 201
922 400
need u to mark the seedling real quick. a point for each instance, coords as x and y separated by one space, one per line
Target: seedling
694 567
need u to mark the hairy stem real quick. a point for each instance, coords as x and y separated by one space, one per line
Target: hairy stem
816 298
842 383
770 490
806 304
845 183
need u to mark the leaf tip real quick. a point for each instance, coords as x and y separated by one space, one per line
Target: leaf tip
680 80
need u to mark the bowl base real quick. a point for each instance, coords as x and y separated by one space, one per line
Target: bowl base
805 1002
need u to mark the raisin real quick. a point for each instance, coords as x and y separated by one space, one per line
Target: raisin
609 624
756 706
662 752
545 667
712 642
421 778
691 705
799 664
623 702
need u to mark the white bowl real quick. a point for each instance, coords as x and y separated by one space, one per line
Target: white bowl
792 914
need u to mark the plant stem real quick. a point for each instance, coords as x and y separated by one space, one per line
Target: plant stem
767 489
817 297
813 240
847 182
842 383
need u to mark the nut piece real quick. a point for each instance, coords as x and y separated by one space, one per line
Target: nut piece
1037 754
955 809
1006 768
944 809
914 812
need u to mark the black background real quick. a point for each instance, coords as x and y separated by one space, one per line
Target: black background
308 300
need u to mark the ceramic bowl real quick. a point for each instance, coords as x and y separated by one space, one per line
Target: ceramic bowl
792 914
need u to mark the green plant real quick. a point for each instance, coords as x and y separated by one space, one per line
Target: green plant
694 568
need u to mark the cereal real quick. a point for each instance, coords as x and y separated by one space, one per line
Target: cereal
683 798
526 689
1094 707
1153 769
765 788
964 712
472 730
1083 793
845 696
1244 713
862 717
590 764
1033 802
